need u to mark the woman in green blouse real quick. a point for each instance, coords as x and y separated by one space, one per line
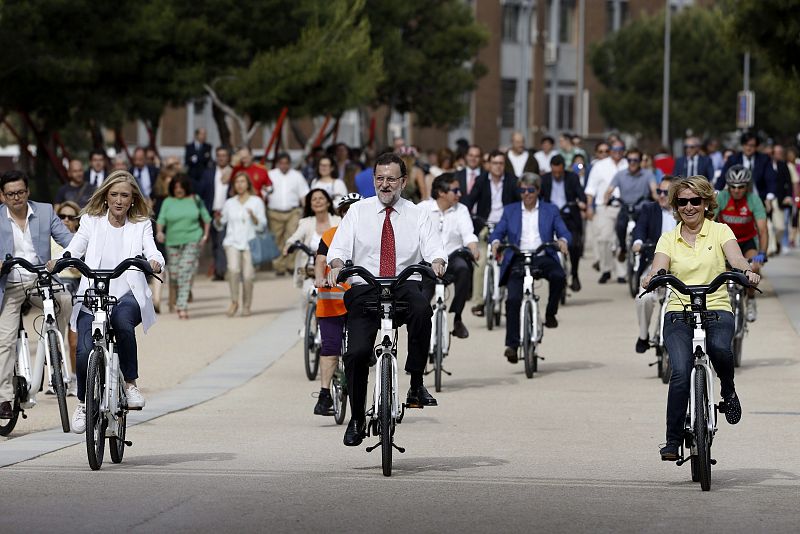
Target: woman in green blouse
186 221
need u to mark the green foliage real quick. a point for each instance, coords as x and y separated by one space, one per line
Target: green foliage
771 29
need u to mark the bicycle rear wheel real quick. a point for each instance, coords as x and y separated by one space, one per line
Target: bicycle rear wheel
310 348
57 379
339 394
385 416
488 301
633 278
528 346
438 350
7 425
701 435
117 443
96 421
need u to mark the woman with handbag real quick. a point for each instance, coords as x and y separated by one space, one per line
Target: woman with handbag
243 215
187 222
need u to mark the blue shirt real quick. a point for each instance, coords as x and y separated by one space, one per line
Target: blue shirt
365 183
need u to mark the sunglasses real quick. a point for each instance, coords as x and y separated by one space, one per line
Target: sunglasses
662 192
455 190
694 201
690 146
64 217
634 160
617 149
529 190
737 187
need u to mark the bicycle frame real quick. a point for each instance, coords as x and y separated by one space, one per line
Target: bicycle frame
386 349
528 295
701 359
440 300
494 265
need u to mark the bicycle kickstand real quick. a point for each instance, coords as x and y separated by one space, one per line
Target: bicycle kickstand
400 449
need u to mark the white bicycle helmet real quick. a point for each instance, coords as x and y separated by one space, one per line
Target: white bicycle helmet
738 175
348 199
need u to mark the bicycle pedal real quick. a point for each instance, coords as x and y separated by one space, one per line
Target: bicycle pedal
131 409
400 449
420 406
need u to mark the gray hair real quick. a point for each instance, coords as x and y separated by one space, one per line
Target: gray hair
530 179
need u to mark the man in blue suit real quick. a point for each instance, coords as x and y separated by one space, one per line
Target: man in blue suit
760 165
527 225
693 163
25 231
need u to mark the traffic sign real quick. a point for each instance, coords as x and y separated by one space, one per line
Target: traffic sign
745 109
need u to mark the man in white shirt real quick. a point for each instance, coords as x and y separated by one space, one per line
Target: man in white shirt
455 226
544 155
385 234
25 232
519 160
285 206
219 177
604 218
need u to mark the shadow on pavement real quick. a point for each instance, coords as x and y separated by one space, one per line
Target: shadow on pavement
173 459
767 362
546 368
475 383
410 466
747 477
585 302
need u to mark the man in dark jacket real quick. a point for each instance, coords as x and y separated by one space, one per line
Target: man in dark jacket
760 166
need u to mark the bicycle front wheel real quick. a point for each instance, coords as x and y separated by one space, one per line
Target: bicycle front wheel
57 378
118 442
488 301
7 425
310 348
702 436
96 421
339 394
738 336
528 346
385 416
438 354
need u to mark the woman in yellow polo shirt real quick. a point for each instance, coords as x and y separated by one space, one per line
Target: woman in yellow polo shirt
695 252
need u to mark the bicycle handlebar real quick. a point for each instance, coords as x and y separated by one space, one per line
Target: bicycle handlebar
550 244
137 263
661 279
392 281
10 262
301 246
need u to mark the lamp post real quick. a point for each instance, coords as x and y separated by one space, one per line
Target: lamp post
665 92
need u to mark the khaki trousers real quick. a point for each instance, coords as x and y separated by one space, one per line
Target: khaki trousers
9 326
240 270
282 224
605 237
477 274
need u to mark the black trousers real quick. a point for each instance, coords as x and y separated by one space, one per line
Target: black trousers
556 278
459 274
575 228
362 327
218 253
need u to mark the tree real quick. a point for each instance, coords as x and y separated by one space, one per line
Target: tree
771 29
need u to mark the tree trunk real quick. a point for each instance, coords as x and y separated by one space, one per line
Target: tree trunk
97 135
222 126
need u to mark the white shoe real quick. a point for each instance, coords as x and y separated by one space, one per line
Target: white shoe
79 419
135 397
751 313
73 387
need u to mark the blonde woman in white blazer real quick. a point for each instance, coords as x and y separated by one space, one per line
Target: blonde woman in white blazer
115 225
318 216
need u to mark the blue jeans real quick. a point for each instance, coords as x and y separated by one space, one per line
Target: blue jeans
678 340
125 317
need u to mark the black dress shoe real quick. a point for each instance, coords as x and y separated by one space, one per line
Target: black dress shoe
605 277
6 412
550 321
621 255
477 310
575 285
669 452
460 330
354 434
511 354
596 266
419 396
642 345
621 280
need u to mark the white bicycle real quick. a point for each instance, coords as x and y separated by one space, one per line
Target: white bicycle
312 338
28 377
493 293
106 402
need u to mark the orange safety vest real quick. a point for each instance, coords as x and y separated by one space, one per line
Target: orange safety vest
330 300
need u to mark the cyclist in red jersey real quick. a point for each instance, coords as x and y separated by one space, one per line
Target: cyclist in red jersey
742 209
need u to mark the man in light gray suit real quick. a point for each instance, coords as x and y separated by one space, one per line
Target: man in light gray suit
25 231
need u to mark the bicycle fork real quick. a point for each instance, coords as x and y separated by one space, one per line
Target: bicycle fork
386 349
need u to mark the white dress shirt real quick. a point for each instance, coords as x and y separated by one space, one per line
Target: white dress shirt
600 178
454 225
472 175
543 159
220 188
691 166
23 248
518 161
497 200
558 193
95 178
336 189
239 225
145 180
288 190
530 239
359 235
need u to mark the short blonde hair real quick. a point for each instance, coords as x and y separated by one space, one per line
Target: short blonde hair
139 210
697 184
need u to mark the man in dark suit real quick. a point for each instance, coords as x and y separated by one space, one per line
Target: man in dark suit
514 228
96 173
469 175
197 156
764 176
693 163
655 218
563 189
490 194
145 174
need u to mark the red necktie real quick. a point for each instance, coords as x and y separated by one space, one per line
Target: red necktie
388 257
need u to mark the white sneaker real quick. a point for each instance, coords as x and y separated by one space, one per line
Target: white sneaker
751 313
135 397
73 386
79 419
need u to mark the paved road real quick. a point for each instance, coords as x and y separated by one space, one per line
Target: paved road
574 449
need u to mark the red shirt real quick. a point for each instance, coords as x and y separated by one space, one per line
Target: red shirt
258 177
664 162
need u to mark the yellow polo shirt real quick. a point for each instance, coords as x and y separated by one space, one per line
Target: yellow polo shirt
698 265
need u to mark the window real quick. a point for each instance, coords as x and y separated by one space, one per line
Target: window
508 101
566 113
511 23
567 30
616 14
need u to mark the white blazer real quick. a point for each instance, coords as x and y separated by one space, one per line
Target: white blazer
89 241
305 234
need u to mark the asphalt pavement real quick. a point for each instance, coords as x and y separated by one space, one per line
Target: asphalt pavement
575 449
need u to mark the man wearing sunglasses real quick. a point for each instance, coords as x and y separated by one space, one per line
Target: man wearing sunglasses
655 218
694 163
452 219
741 209
527 225
25 231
